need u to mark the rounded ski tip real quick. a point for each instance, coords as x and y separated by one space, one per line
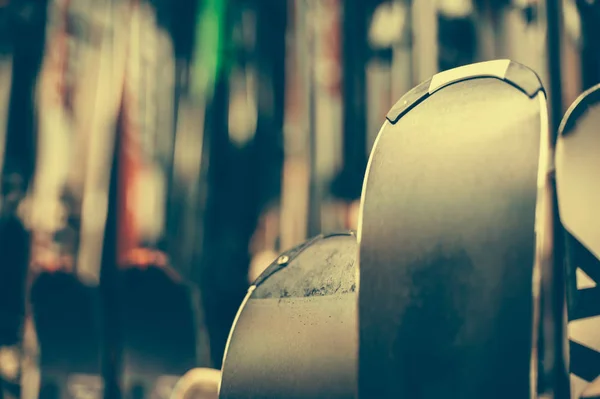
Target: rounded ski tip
300 320
517 75
585 101
310 270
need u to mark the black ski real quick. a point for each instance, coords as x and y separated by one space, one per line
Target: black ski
454 194
576 161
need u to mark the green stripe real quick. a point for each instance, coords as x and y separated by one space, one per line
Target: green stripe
209 46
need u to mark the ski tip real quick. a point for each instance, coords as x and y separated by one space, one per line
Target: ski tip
585 101
287 257
283 260
408 101
518 75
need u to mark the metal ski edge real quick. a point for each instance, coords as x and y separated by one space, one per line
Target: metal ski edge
587 99
517 75
232 331
544 240
286 257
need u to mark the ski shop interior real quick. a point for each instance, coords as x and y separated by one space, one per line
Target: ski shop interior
434 151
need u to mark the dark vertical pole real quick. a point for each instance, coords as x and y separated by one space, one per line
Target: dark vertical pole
23 31
242 178
589 12
270 61
219 277
348 184
554 28
554 377
313 226
402 63
457 39
109 287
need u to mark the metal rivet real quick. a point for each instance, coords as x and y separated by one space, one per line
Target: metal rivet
283 259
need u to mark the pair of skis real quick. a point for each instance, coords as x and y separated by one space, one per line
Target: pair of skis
108 67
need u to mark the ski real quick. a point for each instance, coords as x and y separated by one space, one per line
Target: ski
78 93
299 318
576 163
295 196
158 316
455 231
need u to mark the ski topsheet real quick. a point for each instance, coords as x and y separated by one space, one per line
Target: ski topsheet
577 165
78 94
455 226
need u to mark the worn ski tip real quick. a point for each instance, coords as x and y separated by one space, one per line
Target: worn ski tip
408 101
518 75
584 102
524 79
269 285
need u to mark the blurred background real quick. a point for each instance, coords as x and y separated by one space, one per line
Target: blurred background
157 155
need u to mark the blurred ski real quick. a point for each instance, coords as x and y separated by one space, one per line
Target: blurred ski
201 111
78 94
158 315
296 170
